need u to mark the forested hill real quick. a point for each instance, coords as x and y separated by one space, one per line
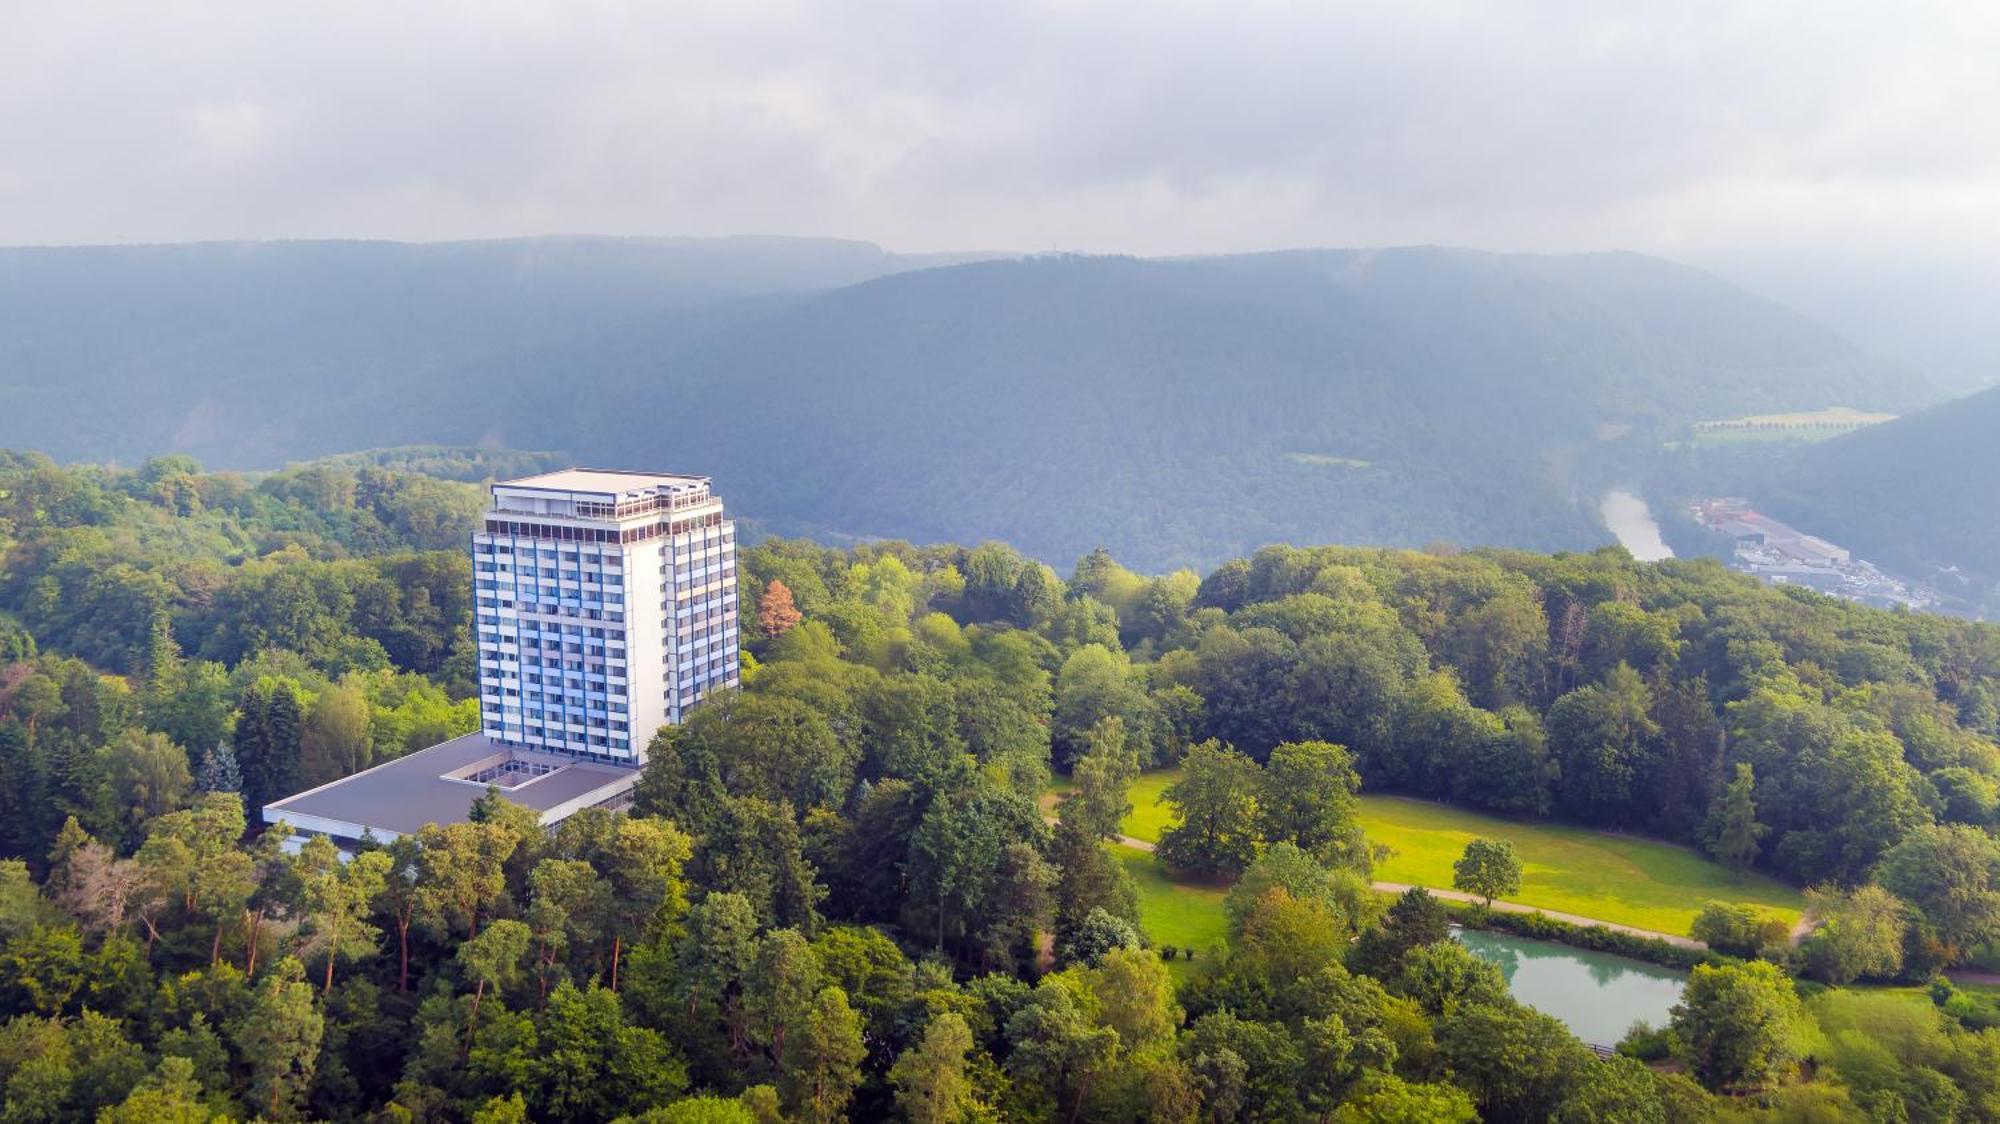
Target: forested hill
1178 412
253 355
837 895
1920 494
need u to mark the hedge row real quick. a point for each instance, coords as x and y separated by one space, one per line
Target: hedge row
1595 938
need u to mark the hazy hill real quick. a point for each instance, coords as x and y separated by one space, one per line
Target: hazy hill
1181 411
1177 411
1918 494
250 354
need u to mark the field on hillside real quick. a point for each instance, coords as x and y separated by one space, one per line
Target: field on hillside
1620 878
1608 877
1812 425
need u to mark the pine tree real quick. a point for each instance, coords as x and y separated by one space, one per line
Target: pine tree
267 741
1733 828
219 771
163 663
279 1038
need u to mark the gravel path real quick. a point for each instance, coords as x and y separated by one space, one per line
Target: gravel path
1572 918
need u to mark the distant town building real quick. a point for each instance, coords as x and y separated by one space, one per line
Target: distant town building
604 608
1783 555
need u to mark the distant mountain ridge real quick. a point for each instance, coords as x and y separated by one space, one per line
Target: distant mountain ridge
1178 411
235 351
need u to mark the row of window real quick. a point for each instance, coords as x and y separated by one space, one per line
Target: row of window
576 607
675 527
505 551
555 532
595 747
531 575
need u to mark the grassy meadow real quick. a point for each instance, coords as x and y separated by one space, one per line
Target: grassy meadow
1176 912
1622 879
1619 878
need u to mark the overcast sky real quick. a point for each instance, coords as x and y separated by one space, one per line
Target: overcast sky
1690 129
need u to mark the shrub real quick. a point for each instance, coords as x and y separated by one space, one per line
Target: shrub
1648 1044
1737 930
1595 938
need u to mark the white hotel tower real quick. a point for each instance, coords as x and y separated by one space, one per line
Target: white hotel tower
604 607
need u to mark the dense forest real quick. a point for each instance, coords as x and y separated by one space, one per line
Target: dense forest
1179 412
838 894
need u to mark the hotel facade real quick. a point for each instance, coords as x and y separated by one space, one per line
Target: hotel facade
604 607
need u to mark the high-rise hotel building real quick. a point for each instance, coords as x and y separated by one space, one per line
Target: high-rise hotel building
604 605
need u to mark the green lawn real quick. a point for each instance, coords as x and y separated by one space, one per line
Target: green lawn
1184 914
1618 878
1149 817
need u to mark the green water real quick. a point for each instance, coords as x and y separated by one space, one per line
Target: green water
1597 994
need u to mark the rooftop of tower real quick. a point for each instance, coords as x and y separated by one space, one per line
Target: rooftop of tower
606 481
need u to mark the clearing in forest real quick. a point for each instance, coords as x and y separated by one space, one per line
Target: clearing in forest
1176 912
1623 879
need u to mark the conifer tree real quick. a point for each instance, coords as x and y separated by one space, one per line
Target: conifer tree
267 741
219 771
1734 830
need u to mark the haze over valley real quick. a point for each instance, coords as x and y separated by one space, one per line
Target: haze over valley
1178 411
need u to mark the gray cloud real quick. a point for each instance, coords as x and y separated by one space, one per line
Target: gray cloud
1689 129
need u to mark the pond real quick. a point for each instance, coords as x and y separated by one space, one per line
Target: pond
1598 995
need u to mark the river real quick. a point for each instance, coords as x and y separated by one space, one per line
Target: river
1597 995
1632 522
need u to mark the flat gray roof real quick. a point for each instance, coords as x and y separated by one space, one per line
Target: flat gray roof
403 795
604 480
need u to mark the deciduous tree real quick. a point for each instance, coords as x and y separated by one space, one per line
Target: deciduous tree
1740 1025
1215 803
1489 868
1307 797
1950 872
777 613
